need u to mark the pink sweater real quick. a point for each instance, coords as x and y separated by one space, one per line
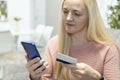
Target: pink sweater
103 58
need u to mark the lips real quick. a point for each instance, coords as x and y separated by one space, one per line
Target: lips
70 24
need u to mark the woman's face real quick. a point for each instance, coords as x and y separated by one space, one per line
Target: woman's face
75 16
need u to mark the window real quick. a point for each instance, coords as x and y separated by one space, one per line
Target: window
3 10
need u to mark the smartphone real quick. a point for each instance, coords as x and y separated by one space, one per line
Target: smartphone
31 50
65 59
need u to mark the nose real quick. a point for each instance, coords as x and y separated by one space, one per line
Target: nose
69 17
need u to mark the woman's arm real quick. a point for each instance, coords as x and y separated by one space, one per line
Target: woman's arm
50 57
111 69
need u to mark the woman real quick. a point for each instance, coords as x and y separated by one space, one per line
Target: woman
82 35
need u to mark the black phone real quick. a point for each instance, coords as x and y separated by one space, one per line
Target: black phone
31 50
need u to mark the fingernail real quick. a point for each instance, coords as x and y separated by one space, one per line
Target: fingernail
38 58
47 66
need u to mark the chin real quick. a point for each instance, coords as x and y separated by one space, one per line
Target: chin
69 31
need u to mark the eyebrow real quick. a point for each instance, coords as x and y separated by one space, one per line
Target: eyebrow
73 10
77 11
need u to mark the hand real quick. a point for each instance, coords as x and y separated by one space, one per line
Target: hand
36 67
82 71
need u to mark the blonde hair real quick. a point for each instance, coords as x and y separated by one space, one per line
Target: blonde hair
96 32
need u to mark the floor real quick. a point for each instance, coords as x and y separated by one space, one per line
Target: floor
13 66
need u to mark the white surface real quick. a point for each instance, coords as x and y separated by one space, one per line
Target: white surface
6 42
1 72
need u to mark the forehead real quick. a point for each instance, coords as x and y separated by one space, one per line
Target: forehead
74 4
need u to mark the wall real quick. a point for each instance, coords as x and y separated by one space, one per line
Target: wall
53 13
38 12
22 9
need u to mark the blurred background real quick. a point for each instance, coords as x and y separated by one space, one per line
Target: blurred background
38 21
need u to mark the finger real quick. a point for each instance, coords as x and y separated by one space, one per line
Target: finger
30 63
33 61
42 68
42 63
34 67
79 72
81 66
36 75
37 65
46 65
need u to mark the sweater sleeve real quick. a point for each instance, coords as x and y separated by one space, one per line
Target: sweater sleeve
111 69
50 57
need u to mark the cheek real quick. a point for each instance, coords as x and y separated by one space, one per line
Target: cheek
81 25
82 22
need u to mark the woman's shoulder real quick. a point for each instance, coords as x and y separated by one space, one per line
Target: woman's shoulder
110 49
113 50
104 46
109 52
53 42
54 39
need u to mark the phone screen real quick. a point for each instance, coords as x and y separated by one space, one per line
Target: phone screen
31 50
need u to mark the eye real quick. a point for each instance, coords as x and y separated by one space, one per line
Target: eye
65 11
77 14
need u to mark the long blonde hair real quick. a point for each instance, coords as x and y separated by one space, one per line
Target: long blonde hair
96 32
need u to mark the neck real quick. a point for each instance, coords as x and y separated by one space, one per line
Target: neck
79 39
